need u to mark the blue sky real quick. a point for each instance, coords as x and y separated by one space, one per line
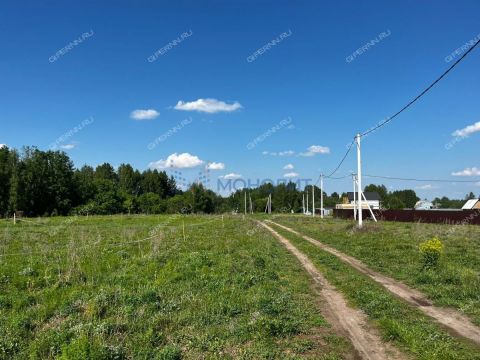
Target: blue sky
305 78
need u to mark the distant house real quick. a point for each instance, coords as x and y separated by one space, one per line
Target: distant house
424 205
373 200
471 204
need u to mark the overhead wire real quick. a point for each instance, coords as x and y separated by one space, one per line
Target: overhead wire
387 120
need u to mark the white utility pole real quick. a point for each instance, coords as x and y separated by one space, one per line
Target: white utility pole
303 204
359 182
313 200
307 202
251 205
354 178
245 202
321 196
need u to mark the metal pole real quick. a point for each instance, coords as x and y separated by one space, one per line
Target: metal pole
321 196
359 182
369 208
313 200
303 204
354 196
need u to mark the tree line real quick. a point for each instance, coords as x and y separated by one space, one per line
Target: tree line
46 183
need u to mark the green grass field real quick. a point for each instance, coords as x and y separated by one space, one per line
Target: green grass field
207 287
78 288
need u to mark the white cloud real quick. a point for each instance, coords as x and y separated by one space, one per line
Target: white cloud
280 153
427 187
208 106
291 175
215 166
3 145
316 149
144 114
468 172
231 176
68 146
179 161
288 167
468 130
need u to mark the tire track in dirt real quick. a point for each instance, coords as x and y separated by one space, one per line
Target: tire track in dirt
364 338
451 319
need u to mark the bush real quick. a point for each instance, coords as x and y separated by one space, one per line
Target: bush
431 250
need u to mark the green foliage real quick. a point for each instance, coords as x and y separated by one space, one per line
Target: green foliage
431 250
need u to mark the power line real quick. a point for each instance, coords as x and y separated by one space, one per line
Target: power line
386 121
421 180
341 161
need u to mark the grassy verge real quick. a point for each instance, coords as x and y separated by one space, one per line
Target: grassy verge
93 289
392 248
408 328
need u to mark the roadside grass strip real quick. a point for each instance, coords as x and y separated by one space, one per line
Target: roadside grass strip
399 322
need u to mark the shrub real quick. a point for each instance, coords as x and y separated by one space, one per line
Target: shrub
431 250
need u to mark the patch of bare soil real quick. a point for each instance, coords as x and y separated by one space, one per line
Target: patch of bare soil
455 322
351 322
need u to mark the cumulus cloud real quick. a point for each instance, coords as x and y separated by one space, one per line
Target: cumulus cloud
215 166
291 175
468 172
279 153
3 145
210 106
68 146
468 130
231 176
316 149
178 161
288 167
141 114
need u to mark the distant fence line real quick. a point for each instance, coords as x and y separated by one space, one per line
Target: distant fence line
453 217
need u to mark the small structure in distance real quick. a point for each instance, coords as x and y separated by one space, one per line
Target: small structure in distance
349 201
471 204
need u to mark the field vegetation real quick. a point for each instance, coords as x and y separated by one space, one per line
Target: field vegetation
163 287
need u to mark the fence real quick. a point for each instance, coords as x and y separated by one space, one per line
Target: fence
427 216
